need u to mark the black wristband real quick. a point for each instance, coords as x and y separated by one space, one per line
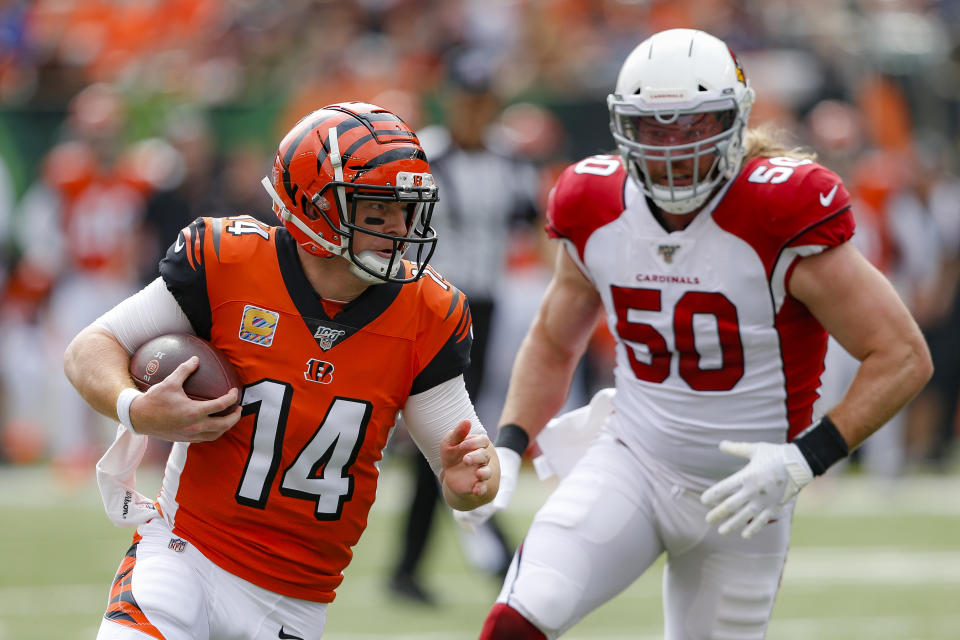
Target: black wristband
822 445
512 436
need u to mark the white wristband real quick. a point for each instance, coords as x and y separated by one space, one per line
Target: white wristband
124 400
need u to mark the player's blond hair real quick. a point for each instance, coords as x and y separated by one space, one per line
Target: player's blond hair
768 141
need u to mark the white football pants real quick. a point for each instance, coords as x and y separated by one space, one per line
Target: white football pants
610 519
167 590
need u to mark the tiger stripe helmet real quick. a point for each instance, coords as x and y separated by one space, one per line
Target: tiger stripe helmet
342 154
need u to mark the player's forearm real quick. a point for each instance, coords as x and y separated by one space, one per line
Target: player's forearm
96 365
886 380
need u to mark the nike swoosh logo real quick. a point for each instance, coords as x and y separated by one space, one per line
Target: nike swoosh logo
287 636
825 200
178 247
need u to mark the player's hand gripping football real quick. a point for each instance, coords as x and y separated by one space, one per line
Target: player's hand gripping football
753 496
166 412
509 471
465 467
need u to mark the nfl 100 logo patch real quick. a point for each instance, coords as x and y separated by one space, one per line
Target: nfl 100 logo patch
258 325
667 252
327 337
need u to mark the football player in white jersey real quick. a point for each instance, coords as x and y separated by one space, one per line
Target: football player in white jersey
720 261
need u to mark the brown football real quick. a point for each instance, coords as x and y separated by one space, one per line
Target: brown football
157 358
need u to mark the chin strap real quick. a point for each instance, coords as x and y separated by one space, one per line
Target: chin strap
286 216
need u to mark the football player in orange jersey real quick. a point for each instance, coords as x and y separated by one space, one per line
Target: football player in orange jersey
332 333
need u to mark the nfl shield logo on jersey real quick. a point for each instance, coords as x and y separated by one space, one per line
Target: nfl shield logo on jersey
327 337
177 544
667 252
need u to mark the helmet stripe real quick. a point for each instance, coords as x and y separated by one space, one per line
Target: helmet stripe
382 116
356 145
343 126
324 149
406 152
292 149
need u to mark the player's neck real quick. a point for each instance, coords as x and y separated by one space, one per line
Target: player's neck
672 221
331 277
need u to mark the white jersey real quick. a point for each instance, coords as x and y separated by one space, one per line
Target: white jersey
710 346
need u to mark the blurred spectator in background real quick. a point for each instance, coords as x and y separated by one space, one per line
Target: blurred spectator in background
18 439
83 218
487 195
201 180
244 162
931 200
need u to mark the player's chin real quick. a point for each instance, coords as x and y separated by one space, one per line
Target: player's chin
678 181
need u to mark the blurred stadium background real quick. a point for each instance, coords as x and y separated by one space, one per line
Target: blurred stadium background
122 120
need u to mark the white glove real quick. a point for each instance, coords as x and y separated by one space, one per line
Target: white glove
509 471
754 495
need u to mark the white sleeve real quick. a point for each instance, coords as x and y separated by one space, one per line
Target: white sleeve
431 414
151 312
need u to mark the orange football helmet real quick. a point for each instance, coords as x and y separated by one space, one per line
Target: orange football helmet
342 154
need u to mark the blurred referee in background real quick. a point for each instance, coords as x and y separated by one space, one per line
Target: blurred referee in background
486 194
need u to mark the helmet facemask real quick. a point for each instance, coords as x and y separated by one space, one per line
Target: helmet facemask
367 265
687 167
419 203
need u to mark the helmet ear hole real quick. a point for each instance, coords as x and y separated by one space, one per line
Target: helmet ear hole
306 207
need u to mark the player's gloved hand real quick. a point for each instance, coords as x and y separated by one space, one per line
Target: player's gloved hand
509 472
753 496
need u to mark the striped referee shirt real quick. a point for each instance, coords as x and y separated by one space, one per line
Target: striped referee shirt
484 195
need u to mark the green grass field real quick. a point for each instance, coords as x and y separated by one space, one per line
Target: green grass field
869 560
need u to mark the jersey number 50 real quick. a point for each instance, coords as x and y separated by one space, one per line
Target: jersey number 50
690 304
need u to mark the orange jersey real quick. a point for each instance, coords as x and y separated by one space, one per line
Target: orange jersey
281 498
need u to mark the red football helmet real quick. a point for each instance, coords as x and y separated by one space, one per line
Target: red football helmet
342 154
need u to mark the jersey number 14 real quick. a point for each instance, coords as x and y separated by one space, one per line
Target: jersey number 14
320 472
